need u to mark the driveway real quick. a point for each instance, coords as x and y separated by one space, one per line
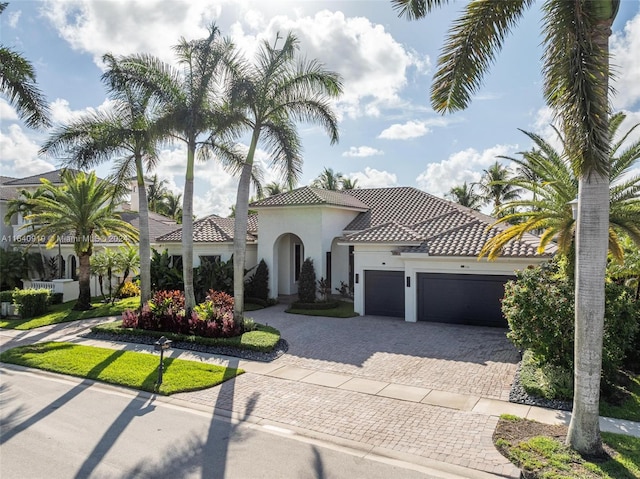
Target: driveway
470 360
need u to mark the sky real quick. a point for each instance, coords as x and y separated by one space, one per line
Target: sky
389 134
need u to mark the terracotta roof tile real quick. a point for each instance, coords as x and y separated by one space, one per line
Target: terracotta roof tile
404 205
307 195
211 229
391 232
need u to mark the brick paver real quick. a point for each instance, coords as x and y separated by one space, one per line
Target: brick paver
467 360
455 437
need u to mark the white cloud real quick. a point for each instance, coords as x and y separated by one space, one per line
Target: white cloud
372 178
20 154
7 112
62 114
14 17
466 165
624 51
406 131
127 26
372 63
362 152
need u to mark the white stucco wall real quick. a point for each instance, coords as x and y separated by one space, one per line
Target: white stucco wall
224 250
370 257
316 226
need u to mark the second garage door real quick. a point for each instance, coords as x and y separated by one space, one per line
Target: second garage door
461 298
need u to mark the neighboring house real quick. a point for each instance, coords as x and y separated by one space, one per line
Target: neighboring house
405 253
402 252
212 240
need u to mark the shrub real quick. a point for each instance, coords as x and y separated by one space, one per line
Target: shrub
56 298
164 275
216 275
31 302
539 307
257 286
307 282
6 296
324 289
345 290
129 290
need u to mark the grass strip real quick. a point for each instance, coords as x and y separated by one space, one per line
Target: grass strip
124 368
540 452
263 339
62 313
344 310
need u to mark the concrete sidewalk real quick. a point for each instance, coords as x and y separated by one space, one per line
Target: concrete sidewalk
445 430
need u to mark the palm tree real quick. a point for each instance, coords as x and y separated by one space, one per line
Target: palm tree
465 196
328 180
274 188
22 205
495 187
18 84
349 184
552 182
576 87
82 208
190 103
272 94
170 206
157 191
127 131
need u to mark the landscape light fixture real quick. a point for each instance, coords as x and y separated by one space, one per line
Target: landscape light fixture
161 345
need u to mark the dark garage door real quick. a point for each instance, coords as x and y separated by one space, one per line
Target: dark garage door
461 298
384 293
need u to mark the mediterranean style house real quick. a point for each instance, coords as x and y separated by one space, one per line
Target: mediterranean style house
400 251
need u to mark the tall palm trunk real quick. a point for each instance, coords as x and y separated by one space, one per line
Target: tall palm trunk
84 284
187 228
240 229
145 241
592 233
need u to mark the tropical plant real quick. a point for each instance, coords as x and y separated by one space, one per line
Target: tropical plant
170 206
20 205
273 93
157 191
627 272
328 180
349 184
164 274
125 131
495 187
83 208
102 266
11 269
576 88
18 84
274 188
190 100
552 183
465 196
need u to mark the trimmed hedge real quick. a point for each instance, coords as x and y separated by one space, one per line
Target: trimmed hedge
316 306
31 302
7 296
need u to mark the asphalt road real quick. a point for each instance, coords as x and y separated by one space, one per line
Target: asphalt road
55 428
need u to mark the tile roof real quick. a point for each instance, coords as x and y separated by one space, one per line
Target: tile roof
391 232
307 195
52 176
404 205
212 229
158 225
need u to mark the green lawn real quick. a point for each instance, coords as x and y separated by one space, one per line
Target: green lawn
344 310
546 457
124 368
263 339
62 313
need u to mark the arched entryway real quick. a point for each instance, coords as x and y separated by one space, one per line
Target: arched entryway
73 267
288 255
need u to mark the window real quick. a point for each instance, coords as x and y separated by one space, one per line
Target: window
210 259
297 261
329 267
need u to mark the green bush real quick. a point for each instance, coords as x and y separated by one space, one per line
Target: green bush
539 307
6 296
307 282
31 302
56 298
257 286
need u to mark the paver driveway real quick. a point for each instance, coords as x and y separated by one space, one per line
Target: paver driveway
461 359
